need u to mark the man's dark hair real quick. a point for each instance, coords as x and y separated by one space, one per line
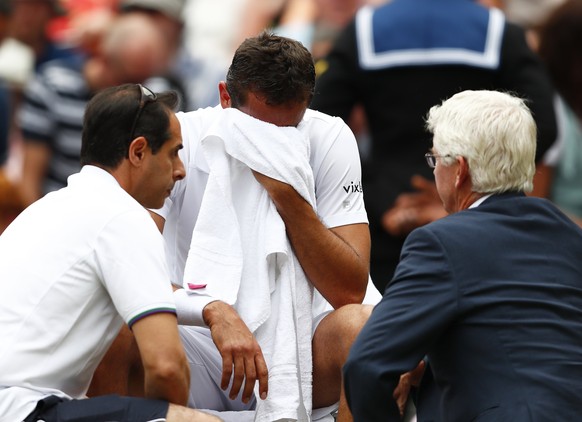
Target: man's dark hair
109 118
277 69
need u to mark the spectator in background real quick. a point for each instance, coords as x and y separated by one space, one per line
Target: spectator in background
16 58
84 24
10 202
530 15
560 41
15 65
51 115
399 59
314 23
5 13
5 113
195 78
29 22
167 17
412 209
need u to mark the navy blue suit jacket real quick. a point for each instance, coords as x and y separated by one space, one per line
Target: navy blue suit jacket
493 296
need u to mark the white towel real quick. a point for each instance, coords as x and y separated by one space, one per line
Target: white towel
240 251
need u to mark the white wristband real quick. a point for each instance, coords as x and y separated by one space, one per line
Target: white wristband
189 307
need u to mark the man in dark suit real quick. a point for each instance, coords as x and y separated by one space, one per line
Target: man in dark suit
490 295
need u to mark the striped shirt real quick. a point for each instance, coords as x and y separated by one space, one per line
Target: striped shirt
52 114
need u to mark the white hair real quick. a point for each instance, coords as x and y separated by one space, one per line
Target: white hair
496 134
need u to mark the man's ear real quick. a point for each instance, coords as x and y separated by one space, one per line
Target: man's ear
462 172
137 150
224 95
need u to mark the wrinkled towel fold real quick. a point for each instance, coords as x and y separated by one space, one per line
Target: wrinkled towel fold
240 251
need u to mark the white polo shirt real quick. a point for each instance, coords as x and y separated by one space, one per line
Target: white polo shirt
75 265
334 158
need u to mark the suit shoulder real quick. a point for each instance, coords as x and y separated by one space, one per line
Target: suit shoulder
453 224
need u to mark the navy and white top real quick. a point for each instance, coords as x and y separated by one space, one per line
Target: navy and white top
401 58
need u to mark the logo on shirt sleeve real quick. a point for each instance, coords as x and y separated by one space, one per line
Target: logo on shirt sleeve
354 187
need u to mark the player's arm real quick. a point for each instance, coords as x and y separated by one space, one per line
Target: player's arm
335 260
167 374
242 358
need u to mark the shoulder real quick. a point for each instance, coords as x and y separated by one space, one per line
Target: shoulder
126 224
193 123
489 218
321 125
315 117
101 196
462 224
331 139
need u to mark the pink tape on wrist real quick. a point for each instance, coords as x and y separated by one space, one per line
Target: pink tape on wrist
193 286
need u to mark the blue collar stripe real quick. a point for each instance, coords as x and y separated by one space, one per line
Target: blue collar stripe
478 45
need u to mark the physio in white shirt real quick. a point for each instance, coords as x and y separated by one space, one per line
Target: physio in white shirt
82 261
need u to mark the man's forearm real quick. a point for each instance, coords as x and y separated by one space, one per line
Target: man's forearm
171 384
337 268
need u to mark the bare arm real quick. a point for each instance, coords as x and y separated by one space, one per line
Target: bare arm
335 260
256 16
36 157
542 181
167 375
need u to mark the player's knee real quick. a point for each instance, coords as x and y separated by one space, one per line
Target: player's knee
343 325
353 317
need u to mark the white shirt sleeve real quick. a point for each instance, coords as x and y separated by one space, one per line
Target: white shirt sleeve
338 179
131 259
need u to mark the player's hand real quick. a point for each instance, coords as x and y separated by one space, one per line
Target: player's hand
242 358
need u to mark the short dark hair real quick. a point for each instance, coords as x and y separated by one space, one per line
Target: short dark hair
278 69
108 120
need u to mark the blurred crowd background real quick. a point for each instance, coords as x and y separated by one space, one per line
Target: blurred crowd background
54 55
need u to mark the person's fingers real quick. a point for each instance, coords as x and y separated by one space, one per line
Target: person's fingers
250 378
420 182
262 375
226 371
238 377
416 374
400 222
401 393
407 199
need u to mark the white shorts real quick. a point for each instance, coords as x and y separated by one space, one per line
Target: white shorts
206 373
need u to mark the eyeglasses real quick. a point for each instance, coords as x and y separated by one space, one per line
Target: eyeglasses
431 158
146 96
